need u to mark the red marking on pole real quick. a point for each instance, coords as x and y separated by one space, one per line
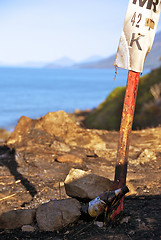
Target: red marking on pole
125 132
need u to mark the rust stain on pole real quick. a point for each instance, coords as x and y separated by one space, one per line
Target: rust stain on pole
125 132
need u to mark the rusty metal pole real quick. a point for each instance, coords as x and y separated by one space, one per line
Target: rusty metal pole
125 132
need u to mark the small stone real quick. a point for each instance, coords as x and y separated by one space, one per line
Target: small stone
69 158
60 146
132 189
99 224
132 232
125 220
138 220
27 228
146 156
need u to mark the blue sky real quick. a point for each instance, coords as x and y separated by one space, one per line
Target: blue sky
46 30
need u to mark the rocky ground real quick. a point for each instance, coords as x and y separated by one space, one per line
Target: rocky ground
38 156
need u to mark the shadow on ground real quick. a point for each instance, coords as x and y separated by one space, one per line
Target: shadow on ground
7 158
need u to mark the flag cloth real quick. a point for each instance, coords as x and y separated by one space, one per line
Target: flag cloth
138 34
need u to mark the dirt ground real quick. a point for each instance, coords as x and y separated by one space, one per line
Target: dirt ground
141 218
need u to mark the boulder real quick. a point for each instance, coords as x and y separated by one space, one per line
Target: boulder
84 184
58 125
4 135
57 214
17 218
22 128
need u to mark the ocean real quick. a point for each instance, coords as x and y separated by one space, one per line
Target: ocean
35 92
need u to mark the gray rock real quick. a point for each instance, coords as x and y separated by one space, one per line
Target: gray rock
17 218
57 214
84 184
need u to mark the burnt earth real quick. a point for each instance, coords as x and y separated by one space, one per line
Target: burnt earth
141 220
31 175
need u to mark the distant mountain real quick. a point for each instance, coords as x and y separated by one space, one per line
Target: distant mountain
152 61
65 62
103 63
61 63
94 58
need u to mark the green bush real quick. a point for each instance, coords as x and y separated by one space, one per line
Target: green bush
108 114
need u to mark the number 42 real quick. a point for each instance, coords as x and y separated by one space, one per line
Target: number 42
136 19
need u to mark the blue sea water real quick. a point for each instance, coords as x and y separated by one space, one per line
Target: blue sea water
35 92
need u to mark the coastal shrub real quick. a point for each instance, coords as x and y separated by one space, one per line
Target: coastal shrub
108 113
147 114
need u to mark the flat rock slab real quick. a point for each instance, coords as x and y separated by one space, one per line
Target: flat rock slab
84 184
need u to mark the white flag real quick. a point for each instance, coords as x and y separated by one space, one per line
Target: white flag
138 34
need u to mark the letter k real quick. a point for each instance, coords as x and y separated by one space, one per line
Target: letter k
136 40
